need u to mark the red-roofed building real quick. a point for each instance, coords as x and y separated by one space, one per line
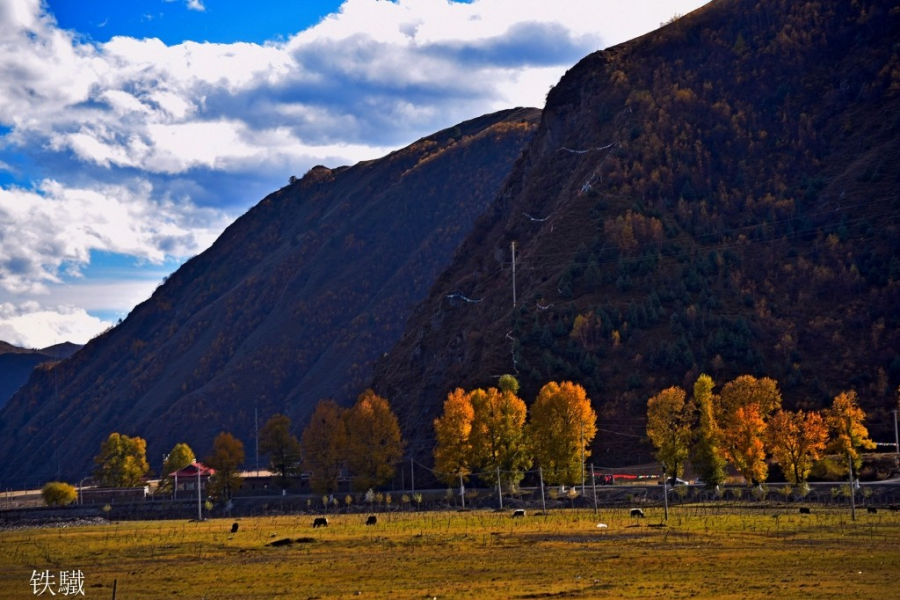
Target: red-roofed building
188 478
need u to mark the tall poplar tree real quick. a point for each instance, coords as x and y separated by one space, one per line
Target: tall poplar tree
374 443
563 424
323 445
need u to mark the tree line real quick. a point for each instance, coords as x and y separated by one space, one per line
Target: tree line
744 425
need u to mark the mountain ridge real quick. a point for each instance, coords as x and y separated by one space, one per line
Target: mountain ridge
695 200
290 305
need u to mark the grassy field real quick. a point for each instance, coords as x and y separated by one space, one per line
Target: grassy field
703 552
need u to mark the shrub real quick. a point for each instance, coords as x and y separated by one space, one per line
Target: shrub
57 493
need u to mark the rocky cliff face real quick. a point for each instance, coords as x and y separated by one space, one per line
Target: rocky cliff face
292 304
718 196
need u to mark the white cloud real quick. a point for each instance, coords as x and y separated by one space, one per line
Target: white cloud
130 137
29 325
42 230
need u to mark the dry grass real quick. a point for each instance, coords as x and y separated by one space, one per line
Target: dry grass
702 553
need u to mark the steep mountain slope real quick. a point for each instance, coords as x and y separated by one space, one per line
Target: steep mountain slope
291 304
718 196
16 364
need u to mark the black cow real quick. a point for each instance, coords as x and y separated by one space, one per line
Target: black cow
519 512
320 522
372 520
637 513
234 527
871 510
804 510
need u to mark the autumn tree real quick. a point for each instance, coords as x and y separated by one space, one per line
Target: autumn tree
226 458
848 434
323 446
374 443
744 445
276 440
180 457
797 440
563 424
122 461
452 431
745 404
57 493
670 419
706 455
498 435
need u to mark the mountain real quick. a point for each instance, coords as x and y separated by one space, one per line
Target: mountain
292 304
16 364
719 196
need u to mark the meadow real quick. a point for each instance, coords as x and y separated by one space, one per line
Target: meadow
703 551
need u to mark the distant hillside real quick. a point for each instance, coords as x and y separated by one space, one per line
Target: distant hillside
721 196
16 364
292 304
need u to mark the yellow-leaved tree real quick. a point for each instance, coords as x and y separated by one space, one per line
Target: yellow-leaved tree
670 420
283 448
452 432
226 458
122 461
797 440
498 435
180 457
323 445
374 443
563 425
706 455
848 434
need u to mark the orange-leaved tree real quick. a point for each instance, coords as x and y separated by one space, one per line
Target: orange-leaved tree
744 445
323 445
452 432
745 404
563 424
374 443
797 440
670 420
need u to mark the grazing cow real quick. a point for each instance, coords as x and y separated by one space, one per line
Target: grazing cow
372 520
320 522
893 508
234 527
804 510
519 512
871 510
637 513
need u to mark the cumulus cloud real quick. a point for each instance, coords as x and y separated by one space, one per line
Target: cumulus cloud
43 229
29 325
140 148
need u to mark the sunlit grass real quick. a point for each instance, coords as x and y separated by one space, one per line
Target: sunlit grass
701 553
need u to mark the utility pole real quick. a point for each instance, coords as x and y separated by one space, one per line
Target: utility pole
896 442
543 502
256 433
582 459
852 491
514 272
412 474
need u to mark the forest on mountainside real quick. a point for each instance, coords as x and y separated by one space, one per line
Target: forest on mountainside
718 196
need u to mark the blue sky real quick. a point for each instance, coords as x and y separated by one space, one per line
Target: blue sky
132 133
